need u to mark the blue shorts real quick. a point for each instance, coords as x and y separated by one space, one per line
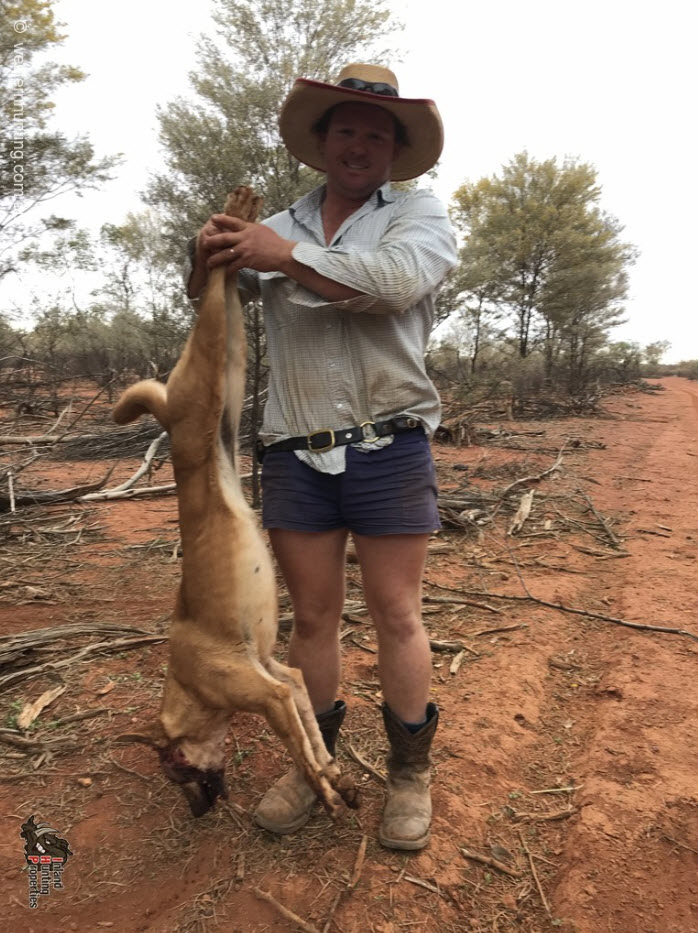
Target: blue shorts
388 491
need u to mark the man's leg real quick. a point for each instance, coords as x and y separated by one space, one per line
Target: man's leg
392 567
312 564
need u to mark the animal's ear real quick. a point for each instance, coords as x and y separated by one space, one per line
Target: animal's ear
148 396
152 735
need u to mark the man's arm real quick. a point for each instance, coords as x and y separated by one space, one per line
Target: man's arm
238 245
415 253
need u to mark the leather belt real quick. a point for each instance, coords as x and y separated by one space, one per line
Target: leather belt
320 441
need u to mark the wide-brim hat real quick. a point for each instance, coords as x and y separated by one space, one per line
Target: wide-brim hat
308 100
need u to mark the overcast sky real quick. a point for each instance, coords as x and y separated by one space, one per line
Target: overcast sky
611 82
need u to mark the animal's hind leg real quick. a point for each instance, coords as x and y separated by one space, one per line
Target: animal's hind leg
249 686
294 679
243 203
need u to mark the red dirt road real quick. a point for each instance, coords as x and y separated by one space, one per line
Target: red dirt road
568 744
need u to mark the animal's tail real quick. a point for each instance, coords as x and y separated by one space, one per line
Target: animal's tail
141 398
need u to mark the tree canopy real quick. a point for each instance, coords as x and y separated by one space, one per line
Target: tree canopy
228 134
40 162
541 260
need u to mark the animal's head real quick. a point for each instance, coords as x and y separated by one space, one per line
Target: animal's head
201 787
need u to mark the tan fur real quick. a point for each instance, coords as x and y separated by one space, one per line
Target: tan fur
225 618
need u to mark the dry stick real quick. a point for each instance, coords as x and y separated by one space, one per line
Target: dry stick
423 884
365 765
591 615
12 491
459 602
522 513
333 910
681 845
102 646
538 477
86 408
546 817
359 863
62 495
535 875
32 439
109 494
503 628
456 646
601 520
143 777
79 717
285 912
355 875
558 790
492 863
118 492
144 467
16 468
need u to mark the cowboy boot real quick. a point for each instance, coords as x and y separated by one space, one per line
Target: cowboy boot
407 813
287 804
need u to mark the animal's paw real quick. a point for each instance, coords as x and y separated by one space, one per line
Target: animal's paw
243 203
349 792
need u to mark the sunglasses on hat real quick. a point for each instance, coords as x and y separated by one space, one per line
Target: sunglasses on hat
374 87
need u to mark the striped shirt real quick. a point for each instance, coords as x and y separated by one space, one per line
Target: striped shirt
339 364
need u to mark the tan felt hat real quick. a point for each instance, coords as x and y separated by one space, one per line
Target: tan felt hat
308 100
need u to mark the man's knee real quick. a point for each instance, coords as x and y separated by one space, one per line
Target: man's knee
316 621
398 623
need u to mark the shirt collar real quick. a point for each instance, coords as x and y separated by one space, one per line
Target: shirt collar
307 206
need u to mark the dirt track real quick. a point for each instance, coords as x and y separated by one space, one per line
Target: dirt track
564 716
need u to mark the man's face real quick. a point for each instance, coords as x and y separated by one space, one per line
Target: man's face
359 150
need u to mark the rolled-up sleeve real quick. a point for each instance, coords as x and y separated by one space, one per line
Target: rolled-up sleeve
414 255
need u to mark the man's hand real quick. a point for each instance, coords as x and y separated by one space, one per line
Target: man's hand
228 241
240 245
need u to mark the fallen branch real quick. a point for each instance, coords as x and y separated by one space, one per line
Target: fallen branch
492 863
423 884
358 864
538 477
110 494
586 612
75 493
103 647
522 513
459 602
285 912
365 764
144 467
546 817
503 628
535 876
457 646
34 440
601 520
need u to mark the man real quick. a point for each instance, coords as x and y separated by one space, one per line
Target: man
347 278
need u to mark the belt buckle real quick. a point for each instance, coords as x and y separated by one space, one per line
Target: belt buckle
368 431
320 450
